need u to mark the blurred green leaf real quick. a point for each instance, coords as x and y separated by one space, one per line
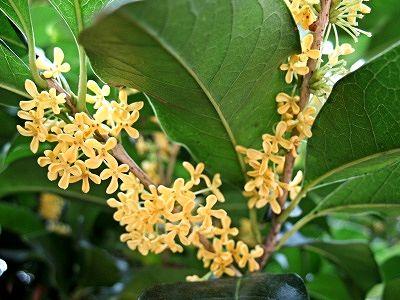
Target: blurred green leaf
212 71
25 175
359 122
19 219
391 268
391 290
98 267
12 37
355 259
327 286
257 287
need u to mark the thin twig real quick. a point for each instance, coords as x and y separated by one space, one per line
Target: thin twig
171 164
320 27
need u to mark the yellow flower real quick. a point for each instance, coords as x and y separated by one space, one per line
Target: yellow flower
55 100
181 230
294 67
65 170
287 104
85 176
114 171
225 231
99 94
304 16
75 143
294 186
307 52
304 121
214 186
344 49
131 183
195 173
102 152
221 260
53 70
278 138
34 127
51 206
207 212
249 257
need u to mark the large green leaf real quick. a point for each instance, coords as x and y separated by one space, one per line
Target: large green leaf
11 36
355 259
391 290
78 13
13 73
374 192
19 219
256 287
25 175
358 129
210 67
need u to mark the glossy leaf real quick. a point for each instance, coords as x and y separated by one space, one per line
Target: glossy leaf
77 13
354 258
210 67
256 287
18 12
11 36
375 192
357 131
13 74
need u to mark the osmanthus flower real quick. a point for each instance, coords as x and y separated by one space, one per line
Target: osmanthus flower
180 230
278 139
102 150
294 67
86 176
115 172
249 257
131 183
195 173
226 230
220 259
76 143
214 186
99 94
303 122
53 70
344 14
294 186
307 52
344 49
207 212
51 206
65 170
287 104
33 127
37 97
303 12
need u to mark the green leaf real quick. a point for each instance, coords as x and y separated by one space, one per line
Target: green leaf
357 131
12 36
78 14
210 67
376 192
257 287
391 290
355 259
19 219
25 175
98 267
13 73
323 285
18 12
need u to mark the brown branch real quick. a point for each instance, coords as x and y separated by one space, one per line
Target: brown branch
68 99
320 26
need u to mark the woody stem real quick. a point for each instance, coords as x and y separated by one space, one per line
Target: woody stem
320 26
